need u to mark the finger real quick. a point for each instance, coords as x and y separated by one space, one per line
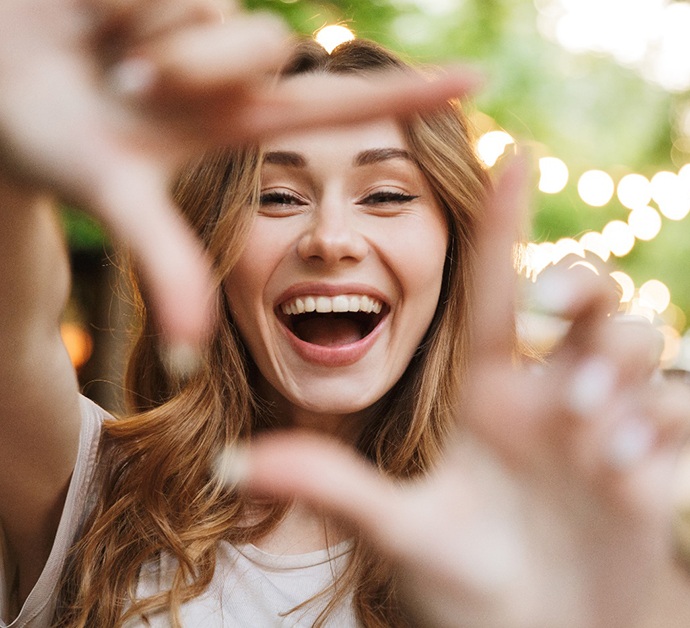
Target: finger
128 22
583 297
201 60
325 100
320 472
133 201
493 307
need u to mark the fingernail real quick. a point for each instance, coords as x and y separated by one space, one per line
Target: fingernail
590 387
181 360
133 77
631 442
232 465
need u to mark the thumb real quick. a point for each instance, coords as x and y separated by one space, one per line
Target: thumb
321 472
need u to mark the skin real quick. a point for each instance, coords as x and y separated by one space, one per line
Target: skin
343 211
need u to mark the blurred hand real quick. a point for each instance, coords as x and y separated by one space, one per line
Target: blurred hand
551 505
102 100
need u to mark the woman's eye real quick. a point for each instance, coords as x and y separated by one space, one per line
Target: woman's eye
387 197
279 198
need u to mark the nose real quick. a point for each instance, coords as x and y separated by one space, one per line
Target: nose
332 236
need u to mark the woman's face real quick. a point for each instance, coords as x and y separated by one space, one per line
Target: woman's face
341 273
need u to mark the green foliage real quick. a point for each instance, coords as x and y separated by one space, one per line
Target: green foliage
83 233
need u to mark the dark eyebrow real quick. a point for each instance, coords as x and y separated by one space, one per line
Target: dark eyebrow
285 158
375 155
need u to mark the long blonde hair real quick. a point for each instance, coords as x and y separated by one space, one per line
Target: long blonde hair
157 492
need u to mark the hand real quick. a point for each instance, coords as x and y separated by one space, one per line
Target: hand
102 100
551 505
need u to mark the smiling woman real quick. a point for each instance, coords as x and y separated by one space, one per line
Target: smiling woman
342 260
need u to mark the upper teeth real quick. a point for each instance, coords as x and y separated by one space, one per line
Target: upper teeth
340 303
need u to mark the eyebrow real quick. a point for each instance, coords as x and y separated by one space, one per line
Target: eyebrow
365 158
285 158
376 155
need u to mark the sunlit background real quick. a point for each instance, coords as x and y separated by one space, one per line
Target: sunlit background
597 91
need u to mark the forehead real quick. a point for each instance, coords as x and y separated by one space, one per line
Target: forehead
342 143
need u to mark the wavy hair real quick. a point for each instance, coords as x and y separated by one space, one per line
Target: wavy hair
157 493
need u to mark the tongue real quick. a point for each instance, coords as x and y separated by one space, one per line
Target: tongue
328 331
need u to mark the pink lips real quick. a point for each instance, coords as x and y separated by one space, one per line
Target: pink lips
330 356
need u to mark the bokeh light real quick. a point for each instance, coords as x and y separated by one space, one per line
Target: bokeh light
78 342
596 188
565 247
553 175
333 35
634 190
626 283
492 145
645 222
672 194
648 35
594 242
618 237
655 295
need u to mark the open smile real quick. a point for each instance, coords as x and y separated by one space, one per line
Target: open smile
332 321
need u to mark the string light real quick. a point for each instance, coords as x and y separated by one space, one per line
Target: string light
655 295
492 145
594 242
331 36
596 187
645 222
634 190
618 237
626 283
669 191
553 175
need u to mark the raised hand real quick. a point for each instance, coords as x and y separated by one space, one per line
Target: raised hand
102 100
552 504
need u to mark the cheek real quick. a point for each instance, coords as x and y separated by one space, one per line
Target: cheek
421 259
245 283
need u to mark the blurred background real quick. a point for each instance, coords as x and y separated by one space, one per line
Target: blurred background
599 92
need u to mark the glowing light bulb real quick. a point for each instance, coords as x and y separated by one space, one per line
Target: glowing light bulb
655 294
595 187
619 237
565 247
672 194
645 223
626 283
554 175
634 190
331 36
492 145
594 242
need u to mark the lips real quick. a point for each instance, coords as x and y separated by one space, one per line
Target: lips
332 329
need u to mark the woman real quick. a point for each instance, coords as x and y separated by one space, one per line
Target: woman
380 217
127 113
343 295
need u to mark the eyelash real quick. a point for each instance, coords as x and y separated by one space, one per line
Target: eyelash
279 198
385 197
375 198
